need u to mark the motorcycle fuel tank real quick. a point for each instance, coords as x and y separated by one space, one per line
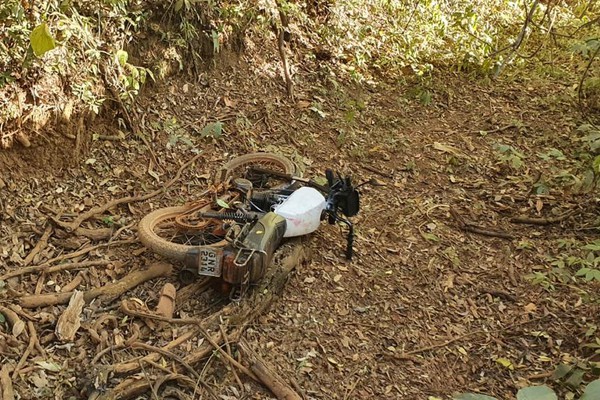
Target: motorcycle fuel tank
302 211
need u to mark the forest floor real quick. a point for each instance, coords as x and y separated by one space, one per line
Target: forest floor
424 310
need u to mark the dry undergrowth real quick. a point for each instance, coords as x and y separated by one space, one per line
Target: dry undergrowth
425 309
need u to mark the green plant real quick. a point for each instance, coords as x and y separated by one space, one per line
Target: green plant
509 155
542 392
131 77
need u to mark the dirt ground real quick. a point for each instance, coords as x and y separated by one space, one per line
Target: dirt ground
424 310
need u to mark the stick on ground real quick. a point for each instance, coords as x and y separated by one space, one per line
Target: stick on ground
112 290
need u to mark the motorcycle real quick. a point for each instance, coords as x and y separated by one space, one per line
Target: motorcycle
256 201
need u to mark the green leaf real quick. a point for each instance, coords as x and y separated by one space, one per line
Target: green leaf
583 271
178 5
472 396
222 203
2 318
430 236
215 130
596 165
592 391
561 371
122 56
41 40
575 379
536 393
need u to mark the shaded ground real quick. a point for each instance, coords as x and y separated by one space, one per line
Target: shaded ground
424 309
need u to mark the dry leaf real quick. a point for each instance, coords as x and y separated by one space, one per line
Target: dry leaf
530 308
69 321
18 328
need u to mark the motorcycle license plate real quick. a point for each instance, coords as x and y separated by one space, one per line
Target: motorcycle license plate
210 262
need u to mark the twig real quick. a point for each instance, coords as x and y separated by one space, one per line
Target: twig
233 362
408 354
228 347
499 129
542 375
130 199
32 342
152 388
166 353
470 227
54 268
42 267
377 171
131 366
543 221
499 293
584 76
517 44
180 360
40 245
347 395
289 84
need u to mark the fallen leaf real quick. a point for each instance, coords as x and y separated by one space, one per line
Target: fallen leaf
49 365
445 148
18 328
530 308
505 362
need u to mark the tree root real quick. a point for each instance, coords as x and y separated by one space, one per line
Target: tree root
46 267
543 221
40 245
109 291
72 226
470 227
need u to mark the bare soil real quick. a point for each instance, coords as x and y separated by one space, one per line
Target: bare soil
425 308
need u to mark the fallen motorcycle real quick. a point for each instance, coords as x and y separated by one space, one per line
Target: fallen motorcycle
256 200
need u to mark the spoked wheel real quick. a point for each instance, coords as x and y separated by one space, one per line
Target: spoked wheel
241 167
162 232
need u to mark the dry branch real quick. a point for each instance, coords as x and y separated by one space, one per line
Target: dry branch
33 342
6 383
47 265
470 227
45 268
72 226
16 324
543 221
112 290
409 354
266 375
40 245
